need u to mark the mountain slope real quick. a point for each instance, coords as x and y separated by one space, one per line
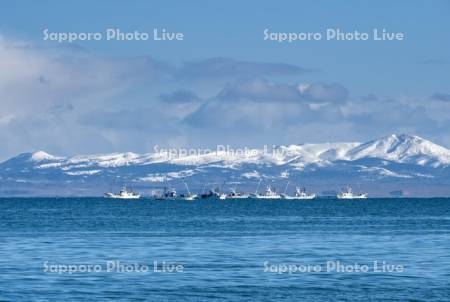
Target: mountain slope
391 162
404 149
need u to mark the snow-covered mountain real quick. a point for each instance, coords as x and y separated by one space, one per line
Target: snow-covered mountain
392 163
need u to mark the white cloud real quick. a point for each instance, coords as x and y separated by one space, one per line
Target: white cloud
68 101
43 91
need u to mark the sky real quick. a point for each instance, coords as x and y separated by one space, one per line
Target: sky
223 83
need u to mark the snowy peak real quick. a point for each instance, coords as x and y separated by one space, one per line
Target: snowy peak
396 148
34 157
402 148
403 162
39 156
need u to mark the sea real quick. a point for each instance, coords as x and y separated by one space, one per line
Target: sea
96 249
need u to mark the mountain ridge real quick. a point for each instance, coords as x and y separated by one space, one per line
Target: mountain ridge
399 148
391 162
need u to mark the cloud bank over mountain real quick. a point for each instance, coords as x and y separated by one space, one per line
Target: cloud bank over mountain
68 100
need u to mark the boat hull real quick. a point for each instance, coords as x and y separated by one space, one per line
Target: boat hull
267 197
238 197
123 197
351 197
299 197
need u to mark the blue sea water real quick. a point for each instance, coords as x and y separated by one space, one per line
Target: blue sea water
229 250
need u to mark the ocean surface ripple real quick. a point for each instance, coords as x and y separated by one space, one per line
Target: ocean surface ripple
224 248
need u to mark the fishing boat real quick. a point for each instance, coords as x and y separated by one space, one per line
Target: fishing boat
213 193
348 194
237 195
300 193
208 194
123 194
269 193
217 193
169 193
189 196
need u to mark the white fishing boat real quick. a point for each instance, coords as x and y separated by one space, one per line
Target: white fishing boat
189 196
218 194
348 194
221 195
300 193
123 194
268 194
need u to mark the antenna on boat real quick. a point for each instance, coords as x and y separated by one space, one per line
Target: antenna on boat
257 187
285 189
187 188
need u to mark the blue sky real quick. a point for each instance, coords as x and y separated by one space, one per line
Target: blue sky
223 84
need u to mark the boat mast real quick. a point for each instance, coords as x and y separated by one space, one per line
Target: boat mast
285 189
257 187
187 188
